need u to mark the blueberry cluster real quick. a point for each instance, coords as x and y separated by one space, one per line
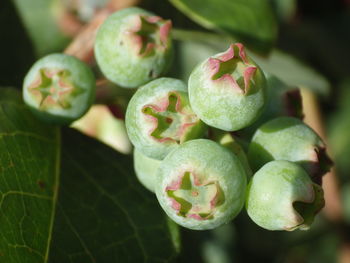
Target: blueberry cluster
185 148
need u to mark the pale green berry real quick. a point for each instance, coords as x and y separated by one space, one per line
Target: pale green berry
159 118
201 185
133 46
227 140
145 169
281 196
227 90
282 100
290 139
59 88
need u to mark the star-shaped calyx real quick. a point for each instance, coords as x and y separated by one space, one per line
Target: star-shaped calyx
234 68
172 118
53 88
195 199
151 34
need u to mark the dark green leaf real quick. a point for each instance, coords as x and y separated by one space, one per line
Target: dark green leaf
29 155
100 212
249 21
104 214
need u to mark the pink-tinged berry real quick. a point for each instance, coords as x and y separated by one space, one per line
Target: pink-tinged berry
201 184
159 118
133 47
59 88
227 91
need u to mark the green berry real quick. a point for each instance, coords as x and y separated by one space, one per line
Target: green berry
201 185
288 138
281 196
159 118
227 91
145 169
59 88
282 100
133 46
227 140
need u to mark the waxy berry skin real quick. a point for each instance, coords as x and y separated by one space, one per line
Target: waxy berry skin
227 90
59 88
133 46
159 118
281 196
201 185
146 169
288 138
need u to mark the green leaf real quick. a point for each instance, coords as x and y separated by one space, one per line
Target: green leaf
249 21
29 160
104 214
100 212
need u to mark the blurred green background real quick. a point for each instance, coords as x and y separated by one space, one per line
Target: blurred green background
303 43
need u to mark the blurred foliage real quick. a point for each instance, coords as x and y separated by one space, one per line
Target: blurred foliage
249 21
319 34
346 201
339 132
17 53
41 18
285 9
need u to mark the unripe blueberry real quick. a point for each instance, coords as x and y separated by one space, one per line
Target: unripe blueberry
201 185
227 91
159 118
133 46
288 138
59 88
281 196
282 100
227 140
145 169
